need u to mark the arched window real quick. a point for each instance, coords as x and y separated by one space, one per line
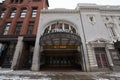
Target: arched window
60 27
2 13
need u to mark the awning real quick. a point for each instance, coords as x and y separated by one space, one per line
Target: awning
60 39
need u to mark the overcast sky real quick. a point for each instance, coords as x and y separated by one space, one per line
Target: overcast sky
71 4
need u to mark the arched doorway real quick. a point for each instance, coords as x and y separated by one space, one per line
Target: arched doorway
60 45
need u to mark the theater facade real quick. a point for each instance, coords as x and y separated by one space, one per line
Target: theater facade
80 39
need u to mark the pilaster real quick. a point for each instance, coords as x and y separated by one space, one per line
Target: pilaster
17 53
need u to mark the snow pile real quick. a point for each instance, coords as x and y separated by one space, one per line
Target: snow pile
21 78
23 73
115 74
13 78
101 79
5 71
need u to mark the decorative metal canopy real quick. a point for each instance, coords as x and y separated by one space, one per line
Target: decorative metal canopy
60 39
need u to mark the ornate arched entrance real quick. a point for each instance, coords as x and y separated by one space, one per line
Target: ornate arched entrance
60 45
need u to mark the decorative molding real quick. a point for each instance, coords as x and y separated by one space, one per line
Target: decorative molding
59 11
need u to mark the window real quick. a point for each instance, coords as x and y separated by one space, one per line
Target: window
2 13
12 14
6 28
18 28
23 13
101 57
30 27
16 1
34 12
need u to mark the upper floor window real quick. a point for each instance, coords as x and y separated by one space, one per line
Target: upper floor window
23 13
16 1
2 13
6 28
12 14
34 12
30 27
18 28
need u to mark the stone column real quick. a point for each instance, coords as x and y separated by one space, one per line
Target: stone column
109 56
36 55
36 59
17 53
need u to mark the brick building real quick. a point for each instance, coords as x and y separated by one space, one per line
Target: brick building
18 27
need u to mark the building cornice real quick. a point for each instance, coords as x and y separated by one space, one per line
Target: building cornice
98 7
59 11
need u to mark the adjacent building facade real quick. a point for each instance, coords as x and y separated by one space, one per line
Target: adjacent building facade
18 27
34 37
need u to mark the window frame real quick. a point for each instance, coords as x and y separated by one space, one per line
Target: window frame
23 13
7 27
30 27
18 28
13 13
34 12
2 13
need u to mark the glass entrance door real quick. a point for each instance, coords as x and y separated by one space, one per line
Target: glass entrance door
60 60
